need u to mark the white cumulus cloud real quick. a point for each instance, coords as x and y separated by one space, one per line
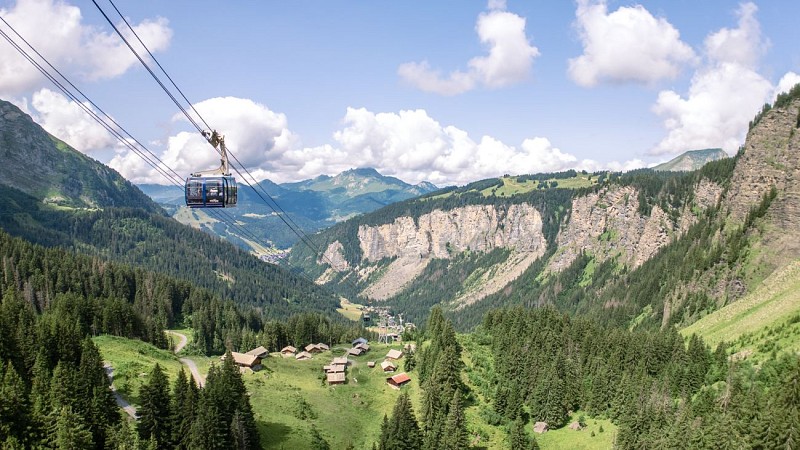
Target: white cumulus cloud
55 29
725 93
67 121
627 45
509 60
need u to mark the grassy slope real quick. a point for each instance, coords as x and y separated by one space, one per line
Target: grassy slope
288 396
132 361
351 311
763 321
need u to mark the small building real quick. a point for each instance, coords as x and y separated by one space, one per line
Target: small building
302 356
244 360
360 340
398 380
340 361
261 352
370 364
575 426
394 354
327 368
364 347
335 369
388 366
312 348
323 347
288 351
336 378
355 351
540 427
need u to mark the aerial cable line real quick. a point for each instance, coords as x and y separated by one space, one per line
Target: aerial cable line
115 130
280 212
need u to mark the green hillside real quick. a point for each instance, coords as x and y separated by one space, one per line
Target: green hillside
692 160
763 322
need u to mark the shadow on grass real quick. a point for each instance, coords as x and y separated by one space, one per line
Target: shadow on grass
273 434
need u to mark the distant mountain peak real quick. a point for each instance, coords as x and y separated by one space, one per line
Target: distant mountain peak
691 160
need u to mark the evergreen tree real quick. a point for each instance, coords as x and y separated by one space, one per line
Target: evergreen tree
184 402
14 407
154 409
69 431
518 438
402 431
317 441
455 428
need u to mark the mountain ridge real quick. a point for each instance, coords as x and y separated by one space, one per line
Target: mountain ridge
691 160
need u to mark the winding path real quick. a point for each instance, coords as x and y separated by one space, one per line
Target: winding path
199 379
121 402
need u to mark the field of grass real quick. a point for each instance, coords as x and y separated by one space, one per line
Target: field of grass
132 361
565 438
351 311
511 186
763 321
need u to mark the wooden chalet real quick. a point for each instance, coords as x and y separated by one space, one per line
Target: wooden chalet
288 351
336 378
340 361
360 340
394 354
323 347
398 380
388 366
244 360
335 369
312 348
261 352
370 364
355 351
364 347
302 356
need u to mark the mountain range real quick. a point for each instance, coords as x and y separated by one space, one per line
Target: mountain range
313 204
644 248
692 160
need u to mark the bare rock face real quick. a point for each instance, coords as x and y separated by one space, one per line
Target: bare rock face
439 234
771 158
608 224
334 257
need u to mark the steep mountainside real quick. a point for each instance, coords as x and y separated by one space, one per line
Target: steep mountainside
643 248
46 168
55 196
692 160
312 204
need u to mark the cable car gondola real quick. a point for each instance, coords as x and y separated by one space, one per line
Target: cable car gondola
212 188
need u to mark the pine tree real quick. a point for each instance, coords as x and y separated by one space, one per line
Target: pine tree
184 403
14 407
402 431
69 431
154 409
518 437
455 428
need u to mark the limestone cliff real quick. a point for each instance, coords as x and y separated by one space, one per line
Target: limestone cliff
608 224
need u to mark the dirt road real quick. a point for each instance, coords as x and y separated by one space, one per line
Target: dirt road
199 379
121 402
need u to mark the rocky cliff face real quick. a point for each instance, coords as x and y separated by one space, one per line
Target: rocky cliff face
608 224
771 158
441 234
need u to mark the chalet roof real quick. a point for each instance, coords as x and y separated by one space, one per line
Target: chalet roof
312 348
337 377
335 369
540 427
322 346
326 368
364 347
360 340
303 355
341 360
388 365
355 351
288 349
243 359
260 351
394 354
399 379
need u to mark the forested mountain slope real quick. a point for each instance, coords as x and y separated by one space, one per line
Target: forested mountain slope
111 219
641 248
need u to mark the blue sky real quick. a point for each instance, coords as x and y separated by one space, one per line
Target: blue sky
445 91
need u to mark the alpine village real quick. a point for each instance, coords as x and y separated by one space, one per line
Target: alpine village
652 308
